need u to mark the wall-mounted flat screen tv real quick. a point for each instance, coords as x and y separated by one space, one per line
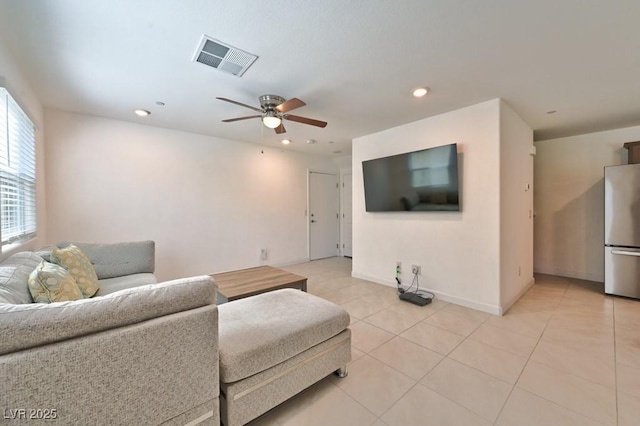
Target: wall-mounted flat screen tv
419 181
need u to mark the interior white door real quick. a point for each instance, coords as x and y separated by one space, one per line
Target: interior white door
347 216
323 215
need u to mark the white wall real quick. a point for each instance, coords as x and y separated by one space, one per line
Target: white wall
209 203
12 78
344 163
459 251
569 201
516 206
480 257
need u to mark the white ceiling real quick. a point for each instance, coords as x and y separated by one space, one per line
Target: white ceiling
353 62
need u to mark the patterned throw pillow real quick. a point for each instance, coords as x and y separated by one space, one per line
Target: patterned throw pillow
74 260
52 283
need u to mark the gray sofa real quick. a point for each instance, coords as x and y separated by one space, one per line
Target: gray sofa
118 265
137 353
147 353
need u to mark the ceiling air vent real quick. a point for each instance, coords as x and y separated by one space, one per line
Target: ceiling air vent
223 57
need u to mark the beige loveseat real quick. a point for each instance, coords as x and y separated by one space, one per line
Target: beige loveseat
146 355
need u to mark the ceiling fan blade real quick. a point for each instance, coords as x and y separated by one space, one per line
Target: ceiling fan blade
241 104
305 120
280 129
230 120
292 103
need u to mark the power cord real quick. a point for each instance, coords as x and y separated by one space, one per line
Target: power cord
423 293
416 282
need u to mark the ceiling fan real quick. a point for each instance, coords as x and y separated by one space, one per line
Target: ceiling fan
273 109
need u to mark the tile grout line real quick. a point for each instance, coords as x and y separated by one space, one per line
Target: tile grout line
446 356
399 399
515 384
417 381
398 371
556 369
555 311
356 401
496 347
453 332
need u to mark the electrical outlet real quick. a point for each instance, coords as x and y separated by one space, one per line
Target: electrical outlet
416 269
398 266
263 254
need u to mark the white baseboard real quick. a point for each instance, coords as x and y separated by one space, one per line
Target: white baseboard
479 306
581 275
291 262
505 307
390 283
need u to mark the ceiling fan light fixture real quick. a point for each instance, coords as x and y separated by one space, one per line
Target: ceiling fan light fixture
273 110
271 120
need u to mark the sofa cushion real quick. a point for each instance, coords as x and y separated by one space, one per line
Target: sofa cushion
111 285
80 268
14 277
35 324
119 259
45 253
261 331
52 283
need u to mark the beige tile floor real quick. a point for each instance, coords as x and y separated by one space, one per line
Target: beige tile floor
564 354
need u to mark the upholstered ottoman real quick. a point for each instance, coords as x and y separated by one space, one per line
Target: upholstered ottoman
273 346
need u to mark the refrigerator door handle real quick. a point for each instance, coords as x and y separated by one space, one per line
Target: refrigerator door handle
626 252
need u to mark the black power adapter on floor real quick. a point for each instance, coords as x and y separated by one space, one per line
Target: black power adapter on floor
415 298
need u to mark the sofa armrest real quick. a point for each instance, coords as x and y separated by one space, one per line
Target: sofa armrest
160 371
31 325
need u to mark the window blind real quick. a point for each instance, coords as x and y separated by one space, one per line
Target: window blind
17 172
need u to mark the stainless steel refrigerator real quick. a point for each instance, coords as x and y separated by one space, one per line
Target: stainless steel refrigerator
622 230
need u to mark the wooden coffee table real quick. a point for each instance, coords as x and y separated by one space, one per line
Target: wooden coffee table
248 282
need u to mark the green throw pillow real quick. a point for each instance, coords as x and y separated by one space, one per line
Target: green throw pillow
52 283
79 266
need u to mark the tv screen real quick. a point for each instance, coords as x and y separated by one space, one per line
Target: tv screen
425 180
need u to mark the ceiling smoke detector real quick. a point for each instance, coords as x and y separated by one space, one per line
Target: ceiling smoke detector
223 57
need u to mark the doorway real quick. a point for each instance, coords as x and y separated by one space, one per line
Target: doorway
323 215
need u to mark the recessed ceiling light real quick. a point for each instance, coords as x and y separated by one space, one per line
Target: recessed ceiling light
553 111
420 92
286 141
142 112
311 141
160 103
